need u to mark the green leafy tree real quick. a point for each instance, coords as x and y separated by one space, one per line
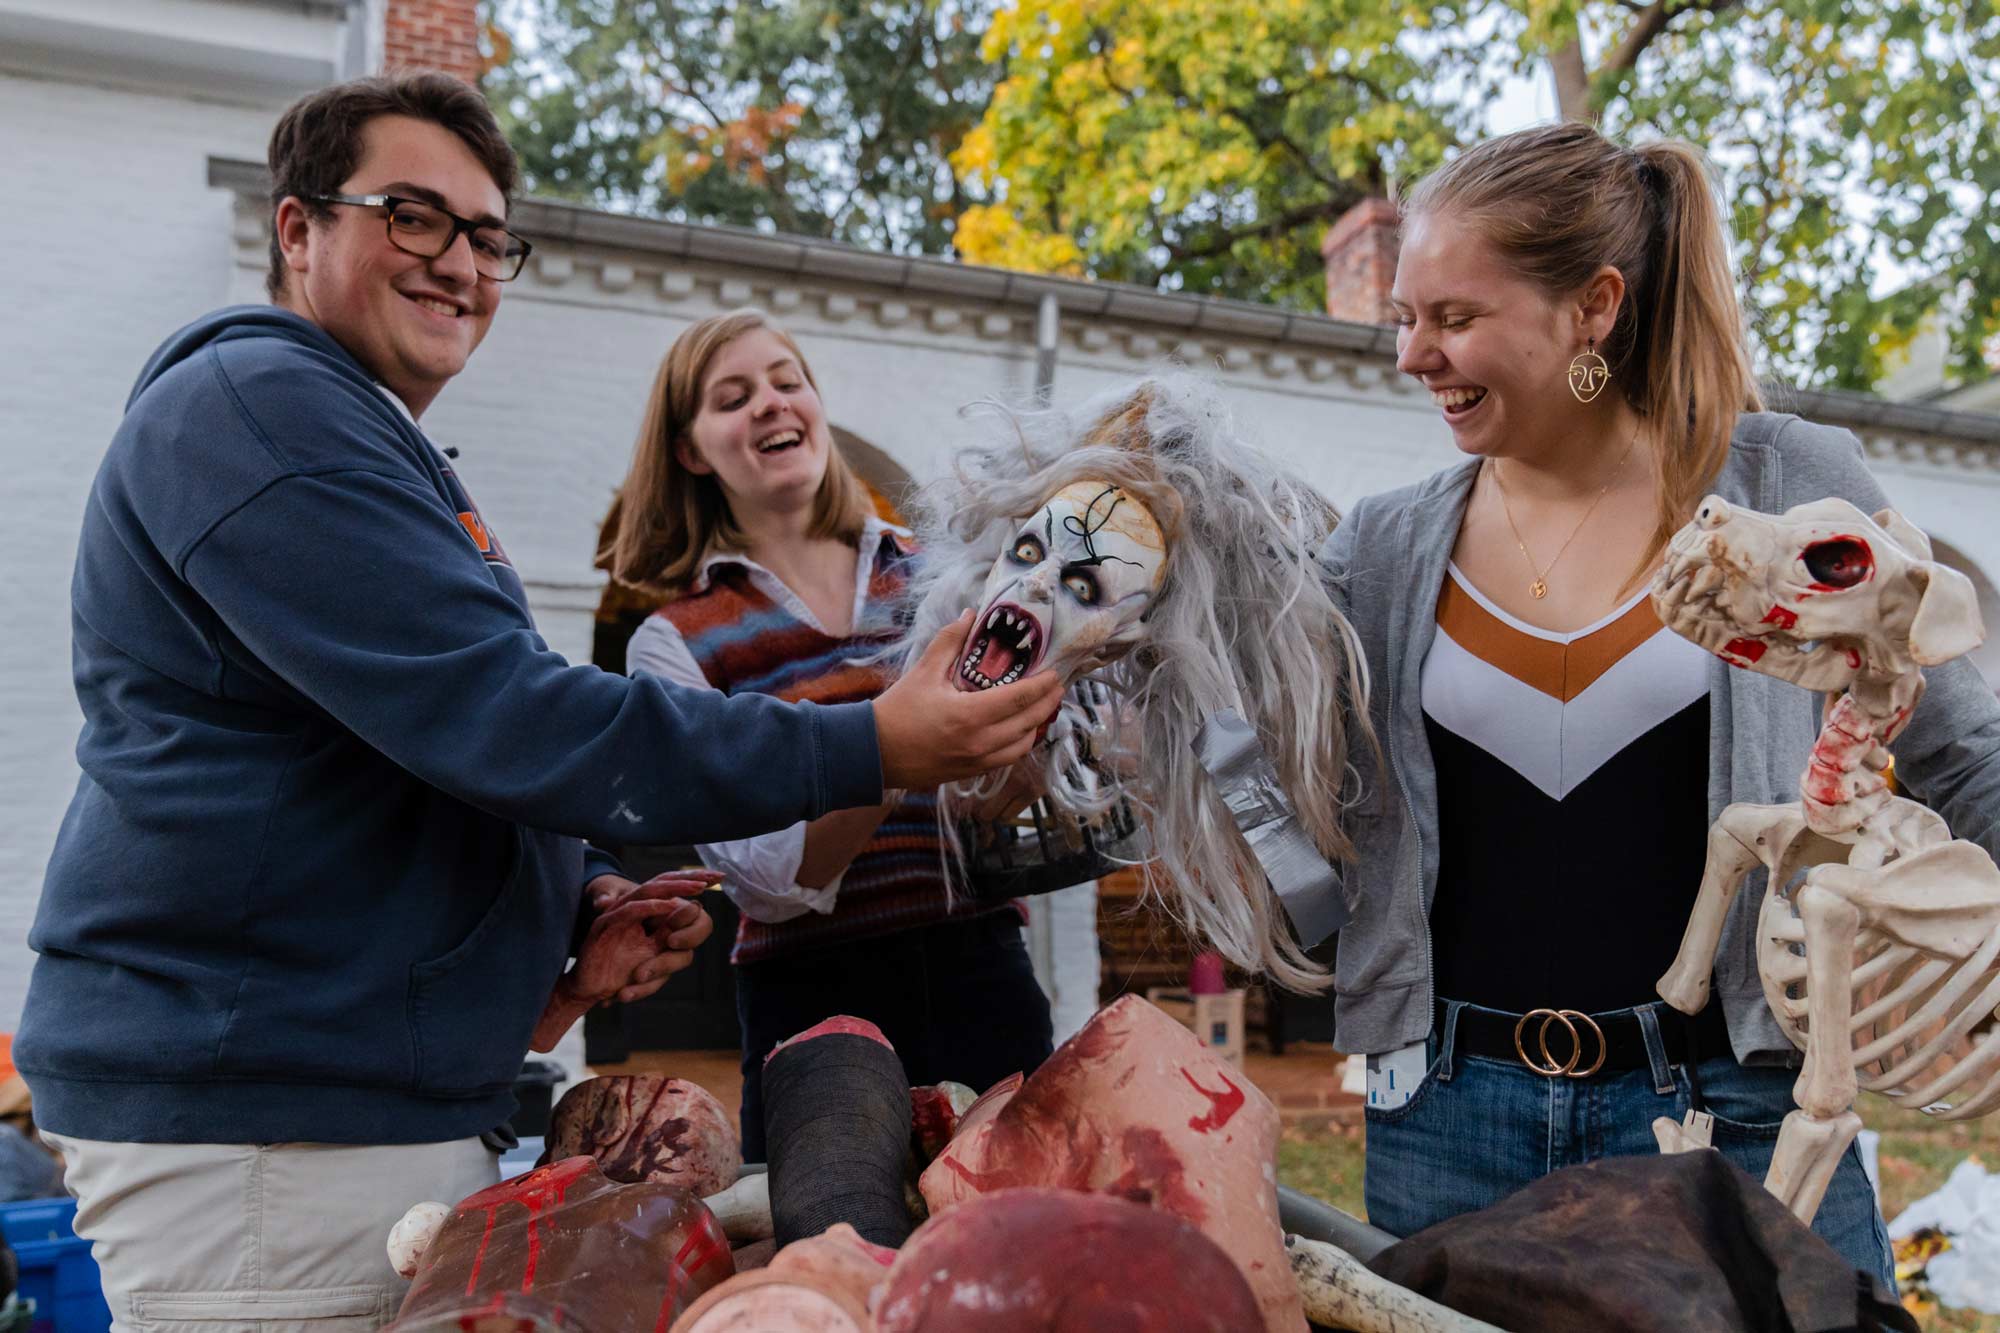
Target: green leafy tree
1201 146
1206 146
831 118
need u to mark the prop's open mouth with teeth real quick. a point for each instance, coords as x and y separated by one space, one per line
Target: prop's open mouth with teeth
1004 646
784 439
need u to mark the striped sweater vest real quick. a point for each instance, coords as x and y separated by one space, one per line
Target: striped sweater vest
746 642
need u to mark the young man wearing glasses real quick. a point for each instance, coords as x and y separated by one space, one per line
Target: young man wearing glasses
323 870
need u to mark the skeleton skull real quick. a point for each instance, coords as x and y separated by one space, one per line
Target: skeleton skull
1817 595
1069 591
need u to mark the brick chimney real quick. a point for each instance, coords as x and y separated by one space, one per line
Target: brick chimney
1360 254
435 34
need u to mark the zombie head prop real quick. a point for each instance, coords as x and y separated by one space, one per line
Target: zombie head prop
1139 548
1071 590
1819 595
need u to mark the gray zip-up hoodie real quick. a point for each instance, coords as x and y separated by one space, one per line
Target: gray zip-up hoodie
1386 566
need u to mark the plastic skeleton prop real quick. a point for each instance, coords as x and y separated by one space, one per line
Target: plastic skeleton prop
1885 958
1166 570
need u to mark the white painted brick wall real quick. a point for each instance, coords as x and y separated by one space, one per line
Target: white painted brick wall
111 239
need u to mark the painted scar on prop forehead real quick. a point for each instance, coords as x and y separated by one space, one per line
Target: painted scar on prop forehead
1070 592
1105 507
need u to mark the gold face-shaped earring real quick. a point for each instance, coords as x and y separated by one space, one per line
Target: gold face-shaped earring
1588 374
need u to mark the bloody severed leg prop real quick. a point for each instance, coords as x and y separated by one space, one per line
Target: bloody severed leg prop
1135 1107
837 1120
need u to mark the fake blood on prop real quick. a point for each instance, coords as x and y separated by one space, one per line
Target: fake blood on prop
1225 1104
534 1250
666 1131
1135 1107
1098 1263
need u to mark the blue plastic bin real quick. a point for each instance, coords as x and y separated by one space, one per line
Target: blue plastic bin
57 1272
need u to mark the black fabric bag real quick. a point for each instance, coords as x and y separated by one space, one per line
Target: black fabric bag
1667 1243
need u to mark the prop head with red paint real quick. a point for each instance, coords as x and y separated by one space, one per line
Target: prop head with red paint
1820 595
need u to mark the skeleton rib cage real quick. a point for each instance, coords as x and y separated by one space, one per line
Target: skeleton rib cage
1923 1025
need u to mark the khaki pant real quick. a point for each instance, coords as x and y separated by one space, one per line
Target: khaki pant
280 1238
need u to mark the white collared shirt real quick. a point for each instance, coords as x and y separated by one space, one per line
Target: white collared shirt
762 872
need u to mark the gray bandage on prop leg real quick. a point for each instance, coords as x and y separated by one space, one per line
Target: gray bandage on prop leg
837 1127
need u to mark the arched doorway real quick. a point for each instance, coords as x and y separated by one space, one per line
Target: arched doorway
888 484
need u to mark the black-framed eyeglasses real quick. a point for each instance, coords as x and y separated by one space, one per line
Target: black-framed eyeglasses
418 228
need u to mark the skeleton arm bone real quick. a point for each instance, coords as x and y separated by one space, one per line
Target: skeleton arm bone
1826 1084
1812 1138
1342 1292
1745 836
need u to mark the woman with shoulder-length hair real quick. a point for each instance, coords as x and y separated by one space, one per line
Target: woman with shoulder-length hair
1555 755
778 578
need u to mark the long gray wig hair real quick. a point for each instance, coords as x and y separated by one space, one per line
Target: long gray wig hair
1242 621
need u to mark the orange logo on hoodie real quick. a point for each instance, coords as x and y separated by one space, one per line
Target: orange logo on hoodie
482 536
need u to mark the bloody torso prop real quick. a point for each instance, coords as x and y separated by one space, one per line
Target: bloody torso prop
563 1247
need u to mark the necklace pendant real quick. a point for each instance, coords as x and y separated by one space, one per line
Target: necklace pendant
1539 588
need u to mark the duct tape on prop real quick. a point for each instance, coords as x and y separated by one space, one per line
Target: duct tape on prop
1243 773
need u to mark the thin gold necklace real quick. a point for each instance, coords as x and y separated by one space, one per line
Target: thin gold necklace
1540 586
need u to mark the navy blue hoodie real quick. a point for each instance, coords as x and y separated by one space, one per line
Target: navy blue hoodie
323 864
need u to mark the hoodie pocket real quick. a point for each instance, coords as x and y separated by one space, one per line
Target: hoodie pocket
462 1000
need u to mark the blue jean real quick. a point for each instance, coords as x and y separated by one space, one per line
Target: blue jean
1478 1129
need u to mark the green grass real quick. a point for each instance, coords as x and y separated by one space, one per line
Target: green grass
1324 1163
1916 1154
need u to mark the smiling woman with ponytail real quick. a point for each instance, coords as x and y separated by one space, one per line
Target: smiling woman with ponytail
1554 755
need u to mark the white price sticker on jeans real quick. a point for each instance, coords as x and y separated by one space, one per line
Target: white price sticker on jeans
1394 1076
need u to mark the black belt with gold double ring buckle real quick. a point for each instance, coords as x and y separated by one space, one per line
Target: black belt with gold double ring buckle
1549 1067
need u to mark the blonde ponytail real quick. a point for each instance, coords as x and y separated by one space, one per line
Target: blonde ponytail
1690 366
